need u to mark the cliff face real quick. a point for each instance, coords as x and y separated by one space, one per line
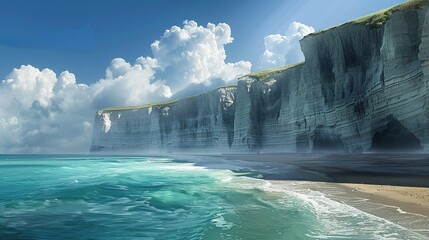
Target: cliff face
361 88
192 124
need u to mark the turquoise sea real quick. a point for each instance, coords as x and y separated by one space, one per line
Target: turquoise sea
159 197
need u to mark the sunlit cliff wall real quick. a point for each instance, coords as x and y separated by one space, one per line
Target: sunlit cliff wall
362 88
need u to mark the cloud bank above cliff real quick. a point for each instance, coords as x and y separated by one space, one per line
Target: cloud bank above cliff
46 112
284 49
186 61
196 55
43 112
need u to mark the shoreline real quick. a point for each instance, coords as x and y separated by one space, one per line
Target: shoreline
407 214
393 187
414 200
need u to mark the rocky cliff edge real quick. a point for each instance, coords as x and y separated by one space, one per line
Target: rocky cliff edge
363 87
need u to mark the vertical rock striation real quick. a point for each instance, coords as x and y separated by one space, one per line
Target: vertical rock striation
201 123
363 87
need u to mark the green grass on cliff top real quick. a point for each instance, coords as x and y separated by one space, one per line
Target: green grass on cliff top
138 106
374 20
377 19
266 74
159 104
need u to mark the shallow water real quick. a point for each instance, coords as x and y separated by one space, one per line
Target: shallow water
156 197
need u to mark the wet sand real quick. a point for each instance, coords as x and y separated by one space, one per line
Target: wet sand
408 210
412 199
394 187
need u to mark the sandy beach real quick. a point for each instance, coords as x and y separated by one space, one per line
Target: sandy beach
392 187
404 206
410 199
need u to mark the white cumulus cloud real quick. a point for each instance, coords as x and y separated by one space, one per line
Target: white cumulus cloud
195 55
42 112
284 49
127 84
47 112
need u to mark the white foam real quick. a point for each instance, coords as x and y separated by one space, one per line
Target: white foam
339 219
227 179
183 167
400 210
220 222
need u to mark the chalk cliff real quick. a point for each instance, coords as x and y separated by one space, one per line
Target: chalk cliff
363 87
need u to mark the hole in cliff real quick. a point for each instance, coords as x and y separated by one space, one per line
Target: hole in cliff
394 136
325 140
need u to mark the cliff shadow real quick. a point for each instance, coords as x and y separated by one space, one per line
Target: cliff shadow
379 169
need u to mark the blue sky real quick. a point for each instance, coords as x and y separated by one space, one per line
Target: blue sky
61 61
84 36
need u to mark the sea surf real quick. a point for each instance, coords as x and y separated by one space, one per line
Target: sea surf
164 197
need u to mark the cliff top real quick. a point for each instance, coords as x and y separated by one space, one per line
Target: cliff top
266 74
377 19
119 108
159 104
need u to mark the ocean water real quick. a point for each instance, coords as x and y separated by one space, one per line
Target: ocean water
157 197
